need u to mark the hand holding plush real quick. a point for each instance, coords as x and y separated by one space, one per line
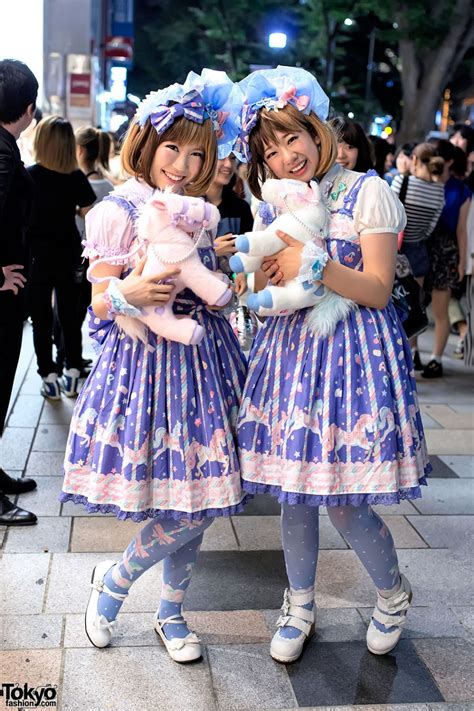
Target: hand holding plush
304 216
165 225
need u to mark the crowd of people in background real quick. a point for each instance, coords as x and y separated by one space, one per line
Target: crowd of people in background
68 172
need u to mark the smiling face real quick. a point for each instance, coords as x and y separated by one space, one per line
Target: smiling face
293 155
347 155
225 170
176 165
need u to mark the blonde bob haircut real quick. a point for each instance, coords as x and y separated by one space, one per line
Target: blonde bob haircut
139 148
287 120
54 145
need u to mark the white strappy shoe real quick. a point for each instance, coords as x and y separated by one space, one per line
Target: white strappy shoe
187 649
294 615
98 629
391 613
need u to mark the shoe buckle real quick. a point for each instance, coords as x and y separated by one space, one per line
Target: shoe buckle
283 620
98 585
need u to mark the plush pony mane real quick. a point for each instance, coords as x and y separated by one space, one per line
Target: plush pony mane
290 193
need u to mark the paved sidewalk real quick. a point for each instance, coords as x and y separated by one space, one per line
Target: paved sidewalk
237 589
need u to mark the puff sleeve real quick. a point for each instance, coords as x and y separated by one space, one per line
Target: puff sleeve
109 233
378 209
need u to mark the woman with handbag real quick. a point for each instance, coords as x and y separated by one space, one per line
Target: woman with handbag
447 247
423 201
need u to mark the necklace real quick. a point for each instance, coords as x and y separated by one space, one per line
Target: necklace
186 256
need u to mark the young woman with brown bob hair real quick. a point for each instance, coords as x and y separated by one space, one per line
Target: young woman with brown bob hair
333 420
152 434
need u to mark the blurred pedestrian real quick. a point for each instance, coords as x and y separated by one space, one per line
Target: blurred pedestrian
403 158
18 92
61 191
236 217
354 150
384 156
447 251
423 201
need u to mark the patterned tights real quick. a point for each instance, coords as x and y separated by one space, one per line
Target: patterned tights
177 544
361 527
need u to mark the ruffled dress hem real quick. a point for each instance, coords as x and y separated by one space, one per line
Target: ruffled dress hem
138 516
289 497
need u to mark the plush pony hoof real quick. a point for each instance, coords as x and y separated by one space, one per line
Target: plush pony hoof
197 336
253 302
265 299
236 264
242 243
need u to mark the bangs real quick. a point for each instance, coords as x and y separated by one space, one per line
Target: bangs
140 145
286 120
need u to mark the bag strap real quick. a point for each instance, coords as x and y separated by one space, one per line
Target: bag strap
403 190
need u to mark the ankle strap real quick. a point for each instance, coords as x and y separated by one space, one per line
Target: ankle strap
172 620
100 586
299 597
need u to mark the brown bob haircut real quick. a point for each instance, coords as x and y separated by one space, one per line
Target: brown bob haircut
139 148
289 119
54 145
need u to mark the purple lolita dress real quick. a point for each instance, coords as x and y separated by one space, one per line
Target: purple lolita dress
335 421
153 429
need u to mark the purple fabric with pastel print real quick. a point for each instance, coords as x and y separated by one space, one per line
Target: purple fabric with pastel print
152 433
333 421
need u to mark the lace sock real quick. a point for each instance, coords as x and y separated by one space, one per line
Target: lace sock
158 539
300 538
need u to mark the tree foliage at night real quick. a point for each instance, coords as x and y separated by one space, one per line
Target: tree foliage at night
418 46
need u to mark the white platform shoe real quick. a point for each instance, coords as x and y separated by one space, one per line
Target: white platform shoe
98 629
391 613
294 615
186 649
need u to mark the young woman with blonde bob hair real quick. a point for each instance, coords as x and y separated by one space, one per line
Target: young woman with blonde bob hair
329 421
61 191
152 434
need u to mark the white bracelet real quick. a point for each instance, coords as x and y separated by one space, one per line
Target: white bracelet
313 261
117 303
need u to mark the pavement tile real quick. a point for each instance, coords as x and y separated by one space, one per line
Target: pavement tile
404 508
428 422
448 418
50 535
263 533
342 581
69 584
23 582
44 500
245 677
32 383
426 622
220 536
440 469
451 662
452 442
45 464
452 532
14 447
51 438
461 464
340 673
403 533
31 631
148 679
466 617
35 667
108 534
26 411
447 496
57 412
232 627
333 625
243 580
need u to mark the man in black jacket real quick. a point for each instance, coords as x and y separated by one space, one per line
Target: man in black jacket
18 92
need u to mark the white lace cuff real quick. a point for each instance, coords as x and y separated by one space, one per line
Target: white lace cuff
313 261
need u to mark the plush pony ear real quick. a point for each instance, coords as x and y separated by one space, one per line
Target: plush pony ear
271 190
316 192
